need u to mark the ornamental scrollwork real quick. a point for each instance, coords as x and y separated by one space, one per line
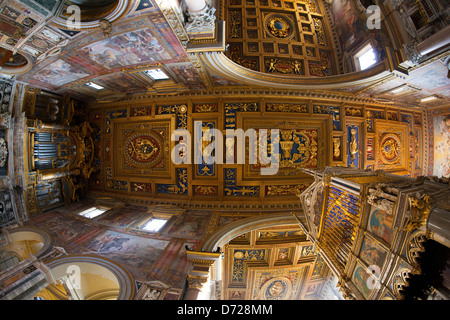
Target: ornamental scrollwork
3 152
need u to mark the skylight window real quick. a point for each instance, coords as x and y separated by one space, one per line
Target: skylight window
430 98
366 57
398 90
91 212
156 74
154 224
94 85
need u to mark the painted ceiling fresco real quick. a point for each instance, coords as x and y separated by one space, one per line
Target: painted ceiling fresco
63 60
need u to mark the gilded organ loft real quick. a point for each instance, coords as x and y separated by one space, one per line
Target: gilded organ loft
357 208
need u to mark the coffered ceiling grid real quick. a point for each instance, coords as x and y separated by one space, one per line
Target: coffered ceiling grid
274 36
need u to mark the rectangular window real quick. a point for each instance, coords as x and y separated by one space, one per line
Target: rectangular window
94 86
156 74
366 57
154 224
92 212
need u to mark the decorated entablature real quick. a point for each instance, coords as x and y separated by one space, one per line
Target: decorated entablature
371 226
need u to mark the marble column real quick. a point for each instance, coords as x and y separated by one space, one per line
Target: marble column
199 274
195 285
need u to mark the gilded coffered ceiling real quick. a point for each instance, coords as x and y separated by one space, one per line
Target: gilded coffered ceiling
134 151
273 264
284 37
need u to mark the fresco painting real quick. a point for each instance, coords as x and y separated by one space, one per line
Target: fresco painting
372 252
127 249
441 127
59 73
191 225
122 217
361 280
347 22
63 228
380 224
125 49
121 82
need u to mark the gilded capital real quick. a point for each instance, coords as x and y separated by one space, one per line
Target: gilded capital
196 282
419 207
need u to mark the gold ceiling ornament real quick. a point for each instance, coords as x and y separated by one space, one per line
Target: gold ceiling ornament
235 24
286 107
419 206
279 27
84 156
196 282
353 147
278 288
106 27
143 148
336 147
206 190
285 190
390 149
284 66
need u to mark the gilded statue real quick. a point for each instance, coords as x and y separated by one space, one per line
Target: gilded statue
297 67
271 65
419 206
337 147
353 147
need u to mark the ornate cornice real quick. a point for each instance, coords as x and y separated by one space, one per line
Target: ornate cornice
334 96
236 206
220 64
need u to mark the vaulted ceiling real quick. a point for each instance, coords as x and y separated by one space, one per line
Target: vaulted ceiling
272 64
306 42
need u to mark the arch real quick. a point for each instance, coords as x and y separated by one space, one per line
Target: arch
31 234
237 228
220 64
117 282
19 63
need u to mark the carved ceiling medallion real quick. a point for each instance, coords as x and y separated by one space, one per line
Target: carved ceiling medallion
279 288
390 148
279 26
143 149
